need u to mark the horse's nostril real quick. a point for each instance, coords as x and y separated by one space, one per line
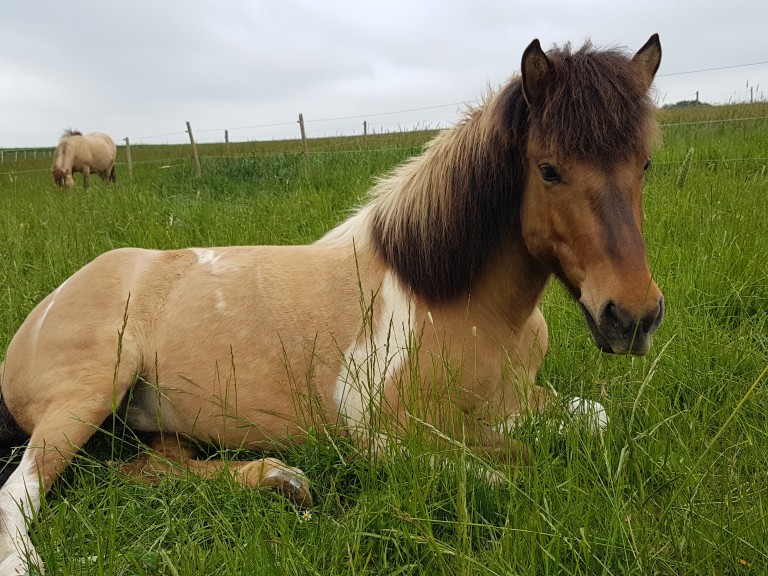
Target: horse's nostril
618 318
652 319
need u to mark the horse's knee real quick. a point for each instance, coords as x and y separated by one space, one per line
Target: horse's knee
166 455
171 447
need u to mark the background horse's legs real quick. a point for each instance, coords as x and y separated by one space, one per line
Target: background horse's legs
171 455
107 175
86 176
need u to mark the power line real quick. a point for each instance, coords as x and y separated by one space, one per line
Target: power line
713 121
356 117
712 69
419 109
158 135
388 113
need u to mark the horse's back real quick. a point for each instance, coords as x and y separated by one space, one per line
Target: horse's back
104 138
103 150
189 319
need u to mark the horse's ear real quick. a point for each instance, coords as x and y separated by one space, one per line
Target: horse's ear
535 70
649 58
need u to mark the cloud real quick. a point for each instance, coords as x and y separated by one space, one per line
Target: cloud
145 67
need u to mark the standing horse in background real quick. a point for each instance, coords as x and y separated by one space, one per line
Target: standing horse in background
94 152
422 307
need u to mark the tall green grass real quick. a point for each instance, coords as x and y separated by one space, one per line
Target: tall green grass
677 485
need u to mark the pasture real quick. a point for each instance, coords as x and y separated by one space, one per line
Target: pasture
677 485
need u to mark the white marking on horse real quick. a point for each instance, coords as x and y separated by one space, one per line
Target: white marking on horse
206 256
19 501
372 359
220 303
39 325
217 260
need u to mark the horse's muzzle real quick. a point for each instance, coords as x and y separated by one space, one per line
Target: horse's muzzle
618 331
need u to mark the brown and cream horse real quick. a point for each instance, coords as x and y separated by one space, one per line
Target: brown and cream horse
431 290
94 152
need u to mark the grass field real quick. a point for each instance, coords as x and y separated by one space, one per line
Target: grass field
677 485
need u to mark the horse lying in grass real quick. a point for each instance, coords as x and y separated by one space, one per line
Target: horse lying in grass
94 152
437 279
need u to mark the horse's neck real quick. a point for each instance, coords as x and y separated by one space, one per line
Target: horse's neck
64 156
513 282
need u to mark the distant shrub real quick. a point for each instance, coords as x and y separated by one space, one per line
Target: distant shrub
686 104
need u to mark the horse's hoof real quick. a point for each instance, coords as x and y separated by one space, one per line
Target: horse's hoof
274 474
292 483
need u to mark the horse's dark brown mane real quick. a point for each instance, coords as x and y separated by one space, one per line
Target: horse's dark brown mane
439 218
70 132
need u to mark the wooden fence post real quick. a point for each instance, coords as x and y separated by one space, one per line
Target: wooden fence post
304 142
194 150
128 158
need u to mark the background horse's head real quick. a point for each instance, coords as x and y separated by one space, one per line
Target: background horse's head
63 159
63 177
590 134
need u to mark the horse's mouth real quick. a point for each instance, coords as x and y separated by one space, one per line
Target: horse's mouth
636 342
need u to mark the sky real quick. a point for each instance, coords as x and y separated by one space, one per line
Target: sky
142 68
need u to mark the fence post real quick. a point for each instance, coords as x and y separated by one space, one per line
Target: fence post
304 142
365 128
194 150
226 137
128 158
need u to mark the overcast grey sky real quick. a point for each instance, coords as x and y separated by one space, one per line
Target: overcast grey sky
142 68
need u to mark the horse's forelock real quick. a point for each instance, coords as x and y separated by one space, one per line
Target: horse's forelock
596 106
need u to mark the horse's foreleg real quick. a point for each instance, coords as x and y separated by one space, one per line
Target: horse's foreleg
112 174
60 433
171 455
86 176
490 434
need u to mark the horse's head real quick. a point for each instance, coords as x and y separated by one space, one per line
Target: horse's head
591 130
63 177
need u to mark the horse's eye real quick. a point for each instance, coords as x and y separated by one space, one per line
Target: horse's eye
549 174
647 165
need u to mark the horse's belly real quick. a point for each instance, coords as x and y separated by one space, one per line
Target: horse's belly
230 398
